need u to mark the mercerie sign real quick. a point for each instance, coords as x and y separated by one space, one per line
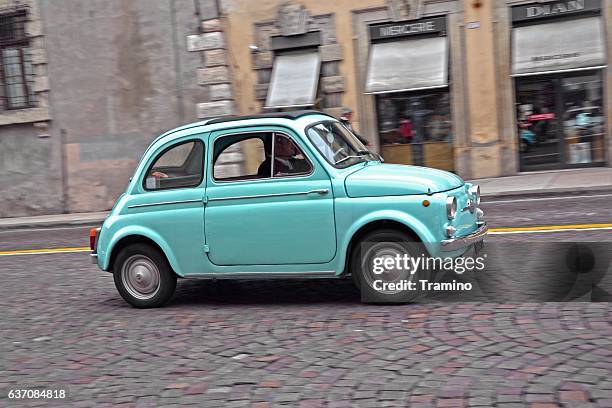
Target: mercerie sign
554 9
435 25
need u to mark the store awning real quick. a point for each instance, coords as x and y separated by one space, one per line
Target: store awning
294 80
557 47
407 65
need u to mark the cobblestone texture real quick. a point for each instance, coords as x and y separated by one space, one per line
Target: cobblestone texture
305 344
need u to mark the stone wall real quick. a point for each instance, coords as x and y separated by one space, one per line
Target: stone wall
30 181
115 74
332 83
122 75
214 74
30 161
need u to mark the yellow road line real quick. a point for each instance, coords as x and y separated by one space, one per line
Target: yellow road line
43 251
516 230
551 228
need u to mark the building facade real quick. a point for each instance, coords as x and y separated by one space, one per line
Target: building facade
484 88
85 86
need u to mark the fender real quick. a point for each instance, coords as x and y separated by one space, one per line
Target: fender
401 217
147 233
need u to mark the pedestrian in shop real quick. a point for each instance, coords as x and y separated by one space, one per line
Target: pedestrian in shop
405 130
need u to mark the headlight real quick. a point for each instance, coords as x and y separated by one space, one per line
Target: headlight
451 207
475 193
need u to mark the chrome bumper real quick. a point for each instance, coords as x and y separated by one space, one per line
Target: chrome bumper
454 244
93 258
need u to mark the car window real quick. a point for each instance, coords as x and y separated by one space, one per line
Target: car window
176 167
249 156
337 144
240 157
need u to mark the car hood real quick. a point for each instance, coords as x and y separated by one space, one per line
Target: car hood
397 179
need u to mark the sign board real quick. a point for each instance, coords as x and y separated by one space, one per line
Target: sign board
435 25
536 11
541 116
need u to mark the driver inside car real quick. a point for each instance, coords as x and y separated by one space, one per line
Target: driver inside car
287 159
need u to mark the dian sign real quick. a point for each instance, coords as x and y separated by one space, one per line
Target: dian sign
556 8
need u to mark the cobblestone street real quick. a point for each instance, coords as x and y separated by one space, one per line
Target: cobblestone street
306 203
291 343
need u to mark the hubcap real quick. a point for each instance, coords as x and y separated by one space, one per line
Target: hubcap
385 250
140 277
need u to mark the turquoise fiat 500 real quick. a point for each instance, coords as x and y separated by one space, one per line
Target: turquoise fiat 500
281 195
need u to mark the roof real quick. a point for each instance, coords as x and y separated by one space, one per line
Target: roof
278 115
206 124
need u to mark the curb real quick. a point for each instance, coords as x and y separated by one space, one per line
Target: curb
20 224
566 191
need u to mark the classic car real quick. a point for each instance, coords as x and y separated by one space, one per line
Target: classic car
279 195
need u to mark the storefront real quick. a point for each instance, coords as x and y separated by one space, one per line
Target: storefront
408 75
558 65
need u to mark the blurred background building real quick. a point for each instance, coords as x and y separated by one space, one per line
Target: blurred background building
483 88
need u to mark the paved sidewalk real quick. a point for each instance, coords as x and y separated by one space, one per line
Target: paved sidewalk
539 183
56 220
548 182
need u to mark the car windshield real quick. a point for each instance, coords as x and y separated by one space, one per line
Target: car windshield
337 144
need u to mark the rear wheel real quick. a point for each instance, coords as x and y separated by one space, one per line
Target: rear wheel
381 244
143 276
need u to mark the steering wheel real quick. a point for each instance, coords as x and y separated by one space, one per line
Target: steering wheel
337 152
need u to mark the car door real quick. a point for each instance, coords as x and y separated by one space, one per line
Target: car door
269 210
170 203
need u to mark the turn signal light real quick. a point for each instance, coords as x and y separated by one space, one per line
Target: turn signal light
93 236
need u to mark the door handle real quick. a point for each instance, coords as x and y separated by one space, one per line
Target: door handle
321 191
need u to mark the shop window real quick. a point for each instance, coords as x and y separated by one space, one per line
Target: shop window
16 72
560 120
409 77
559 86
537 121
416 128
583 119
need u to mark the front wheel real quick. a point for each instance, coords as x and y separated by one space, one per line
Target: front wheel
143 276
395 284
